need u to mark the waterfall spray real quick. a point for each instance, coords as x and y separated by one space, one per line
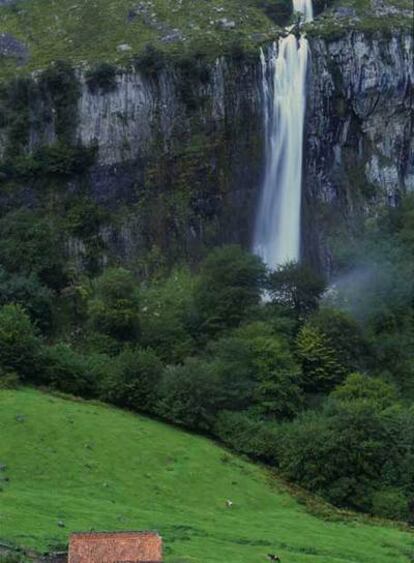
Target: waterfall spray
277 232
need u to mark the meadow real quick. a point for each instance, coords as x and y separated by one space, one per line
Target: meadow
72 465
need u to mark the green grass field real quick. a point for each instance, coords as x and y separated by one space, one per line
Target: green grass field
94 467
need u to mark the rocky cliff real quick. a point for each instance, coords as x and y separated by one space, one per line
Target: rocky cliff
176 160
180 151
176 150
359 130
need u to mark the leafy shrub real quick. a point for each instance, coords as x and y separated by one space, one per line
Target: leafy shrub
15 99
84 217
193 70
279 11
166 316
60 160
321 369
297 287
390 503
101 78
320 5
11 558
151 61
344 336
67 370
361 387
257 371
349 451
134 380
63 159
239 52
114 308
248 435
30 293
19 344
8 379
60 82
190 394
32 244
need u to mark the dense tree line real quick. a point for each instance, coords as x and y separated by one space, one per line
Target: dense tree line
316 381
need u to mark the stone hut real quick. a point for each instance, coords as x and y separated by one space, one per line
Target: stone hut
115 547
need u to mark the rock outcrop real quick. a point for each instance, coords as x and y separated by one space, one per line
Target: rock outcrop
359 142
179 150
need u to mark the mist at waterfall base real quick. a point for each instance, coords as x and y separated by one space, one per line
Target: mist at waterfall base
284 69
377 287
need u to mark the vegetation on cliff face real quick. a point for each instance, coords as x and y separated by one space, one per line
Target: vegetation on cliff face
177 188
69 465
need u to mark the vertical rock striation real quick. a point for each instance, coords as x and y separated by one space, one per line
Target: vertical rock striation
359 140
182 151
179 152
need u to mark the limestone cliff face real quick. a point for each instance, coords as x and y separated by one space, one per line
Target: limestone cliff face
178 155
359 130
359 145
179 152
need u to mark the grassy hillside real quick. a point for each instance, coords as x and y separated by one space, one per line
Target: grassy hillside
386 17
41 31
116 30
95 30
89 466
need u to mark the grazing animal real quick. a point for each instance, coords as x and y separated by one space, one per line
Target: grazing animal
229 503
273 557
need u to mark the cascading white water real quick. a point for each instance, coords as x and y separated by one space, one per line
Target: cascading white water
305 8
277 232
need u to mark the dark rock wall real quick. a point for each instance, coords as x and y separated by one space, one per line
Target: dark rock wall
359 133
179 153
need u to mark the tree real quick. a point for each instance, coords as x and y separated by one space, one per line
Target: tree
114 308
321 368
230 284
278 394
67 370
344 336
296 287
166 316
30 244
352 453
362 387
134 380
19 344
257 371
390 503
338 456
190 394
248 435
30 293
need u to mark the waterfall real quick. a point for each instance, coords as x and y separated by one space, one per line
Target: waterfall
305 8
277 231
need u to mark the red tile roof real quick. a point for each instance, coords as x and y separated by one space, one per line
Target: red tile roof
116 547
